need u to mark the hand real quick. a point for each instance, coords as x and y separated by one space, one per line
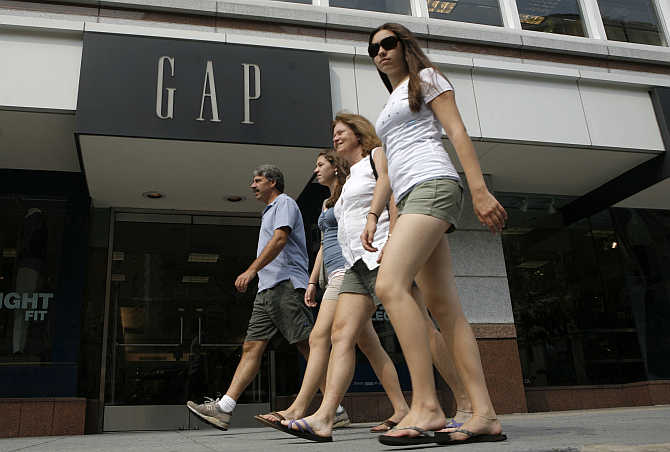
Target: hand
242 281
368 234
489 211
310 295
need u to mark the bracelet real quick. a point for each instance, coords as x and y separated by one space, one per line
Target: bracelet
316 284
376 216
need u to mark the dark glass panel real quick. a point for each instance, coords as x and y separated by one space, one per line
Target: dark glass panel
590 299
644 240
177 324
551 16
384 6
485 12
631 21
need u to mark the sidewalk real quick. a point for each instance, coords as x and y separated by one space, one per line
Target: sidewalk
641 429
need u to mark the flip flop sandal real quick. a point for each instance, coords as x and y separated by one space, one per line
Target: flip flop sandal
424 437
443 438
388 423
305 431
268 422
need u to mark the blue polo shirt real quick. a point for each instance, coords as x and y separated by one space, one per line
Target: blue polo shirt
291 263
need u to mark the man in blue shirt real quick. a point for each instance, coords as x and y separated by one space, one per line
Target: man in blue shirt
281 266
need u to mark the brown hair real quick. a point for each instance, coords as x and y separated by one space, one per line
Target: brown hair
342 171
415 60
362 128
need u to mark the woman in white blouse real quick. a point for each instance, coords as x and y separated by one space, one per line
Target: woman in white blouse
429 197
354 139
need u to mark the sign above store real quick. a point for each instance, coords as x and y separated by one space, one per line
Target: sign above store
133 86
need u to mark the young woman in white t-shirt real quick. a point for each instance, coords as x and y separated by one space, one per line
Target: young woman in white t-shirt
429 197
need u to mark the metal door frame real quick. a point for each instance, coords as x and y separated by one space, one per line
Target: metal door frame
173 417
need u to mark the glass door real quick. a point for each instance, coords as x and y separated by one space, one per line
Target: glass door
176 321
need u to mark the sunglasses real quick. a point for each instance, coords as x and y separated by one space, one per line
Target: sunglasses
388 43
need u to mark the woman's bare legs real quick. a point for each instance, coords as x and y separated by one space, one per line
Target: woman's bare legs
443 360
413 241
428 259
381 363
315 371
438 286
351 315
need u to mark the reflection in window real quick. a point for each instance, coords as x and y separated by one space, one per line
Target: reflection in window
590 298
485 12
551 16
631 21
384 6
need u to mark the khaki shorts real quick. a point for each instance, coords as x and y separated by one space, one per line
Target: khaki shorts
281 308
333 288
358 279
439 198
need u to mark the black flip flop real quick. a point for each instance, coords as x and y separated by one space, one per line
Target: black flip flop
388 423
424 437
304 431
444 439
268 422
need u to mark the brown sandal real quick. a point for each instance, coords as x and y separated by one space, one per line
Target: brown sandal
387 425
268 422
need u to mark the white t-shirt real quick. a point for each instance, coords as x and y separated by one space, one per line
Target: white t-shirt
351 212
413 141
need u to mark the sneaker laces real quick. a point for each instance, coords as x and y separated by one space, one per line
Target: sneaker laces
211 400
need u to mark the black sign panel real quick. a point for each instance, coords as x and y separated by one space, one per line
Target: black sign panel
192 90
660 97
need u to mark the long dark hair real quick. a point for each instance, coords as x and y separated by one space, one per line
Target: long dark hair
415 59
341 173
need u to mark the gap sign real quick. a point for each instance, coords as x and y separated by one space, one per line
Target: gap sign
147 87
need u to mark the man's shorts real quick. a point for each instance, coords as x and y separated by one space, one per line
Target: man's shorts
281 308
439 198
359 279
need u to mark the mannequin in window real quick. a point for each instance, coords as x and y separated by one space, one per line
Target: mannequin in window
30 263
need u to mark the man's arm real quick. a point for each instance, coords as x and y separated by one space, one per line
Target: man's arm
269 253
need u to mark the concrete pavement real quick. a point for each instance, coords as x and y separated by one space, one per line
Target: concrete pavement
641 429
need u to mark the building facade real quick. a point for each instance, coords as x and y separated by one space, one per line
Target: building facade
128 133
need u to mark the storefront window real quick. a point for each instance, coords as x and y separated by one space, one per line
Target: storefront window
551 16
31 237
384 6
485 12
588 298
42 255
631 21
177 323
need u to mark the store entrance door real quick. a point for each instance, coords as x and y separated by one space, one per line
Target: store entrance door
176 322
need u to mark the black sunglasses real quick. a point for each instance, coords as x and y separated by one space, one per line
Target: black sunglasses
388 43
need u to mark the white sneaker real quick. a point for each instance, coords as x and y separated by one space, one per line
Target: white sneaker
211 413
341 420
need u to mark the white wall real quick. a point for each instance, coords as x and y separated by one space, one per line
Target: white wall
39 69
520 106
